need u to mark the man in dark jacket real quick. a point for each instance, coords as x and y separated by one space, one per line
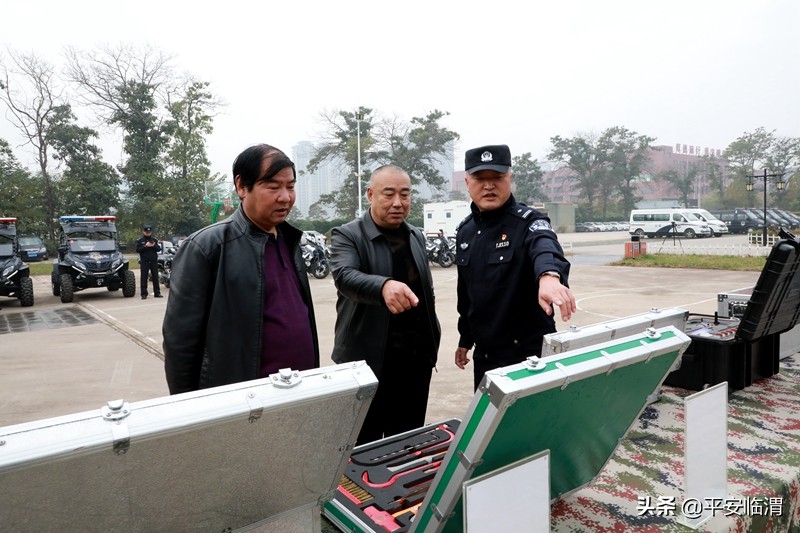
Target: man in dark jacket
511 270
148 247
240 305
385 310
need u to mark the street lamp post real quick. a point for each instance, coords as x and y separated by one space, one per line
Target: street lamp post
779 184
359 116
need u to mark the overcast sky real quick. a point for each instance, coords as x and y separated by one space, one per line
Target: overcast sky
514 72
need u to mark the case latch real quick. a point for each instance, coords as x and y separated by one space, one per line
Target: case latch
534 363
286 378
116 410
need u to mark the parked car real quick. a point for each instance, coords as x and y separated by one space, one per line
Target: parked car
718 227
32 248
739 220
667 221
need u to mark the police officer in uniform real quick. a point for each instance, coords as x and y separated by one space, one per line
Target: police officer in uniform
511 270
148 247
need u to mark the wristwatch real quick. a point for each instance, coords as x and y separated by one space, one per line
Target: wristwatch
551 273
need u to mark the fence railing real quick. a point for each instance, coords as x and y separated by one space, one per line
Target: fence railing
703 248
757 239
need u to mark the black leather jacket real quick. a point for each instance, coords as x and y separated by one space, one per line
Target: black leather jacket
213 323
361 261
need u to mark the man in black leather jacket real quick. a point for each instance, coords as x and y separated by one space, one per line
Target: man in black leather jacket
385 311
240 305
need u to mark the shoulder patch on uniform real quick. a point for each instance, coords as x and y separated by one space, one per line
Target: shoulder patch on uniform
540 225
521 211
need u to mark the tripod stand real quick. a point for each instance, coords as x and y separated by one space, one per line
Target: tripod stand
674 232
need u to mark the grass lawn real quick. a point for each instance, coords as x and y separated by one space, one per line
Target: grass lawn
713 262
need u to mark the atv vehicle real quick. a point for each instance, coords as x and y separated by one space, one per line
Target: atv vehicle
15 279
89 256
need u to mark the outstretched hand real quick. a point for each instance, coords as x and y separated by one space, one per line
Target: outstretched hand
552 292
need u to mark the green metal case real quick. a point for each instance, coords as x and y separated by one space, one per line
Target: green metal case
578 405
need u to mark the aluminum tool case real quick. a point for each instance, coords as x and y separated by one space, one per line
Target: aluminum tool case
743 351
580 336
578 404
259 454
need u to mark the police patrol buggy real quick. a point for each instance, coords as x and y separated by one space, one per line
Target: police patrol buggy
15 277
89 257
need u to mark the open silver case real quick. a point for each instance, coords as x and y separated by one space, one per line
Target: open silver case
262 454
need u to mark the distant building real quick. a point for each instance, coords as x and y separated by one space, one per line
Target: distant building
328 177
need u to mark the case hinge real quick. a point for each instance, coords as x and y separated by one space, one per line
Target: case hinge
116 411
467 463
256 409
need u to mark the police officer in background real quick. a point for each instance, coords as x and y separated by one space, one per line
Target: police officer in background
511 270
148 247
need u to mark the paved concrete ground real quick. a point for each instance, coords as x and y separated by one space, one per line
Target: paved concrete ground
51 372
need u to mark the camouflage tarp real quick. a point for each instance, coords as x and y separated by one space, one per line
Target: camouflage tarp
647 468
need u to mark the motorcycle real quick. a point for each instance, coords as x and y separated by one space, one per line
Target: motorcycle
441 251
317 259
165 267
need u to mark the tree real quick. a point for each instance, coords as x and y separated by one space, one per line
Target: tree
682 180
340 143
19 193
528 179
31 95
416 146
761 149
125 86
627 158
88 185
745 153
584 157
607 166
715 175
186 160
783 158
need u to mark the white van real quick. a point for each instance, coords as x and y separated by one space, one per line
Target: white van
667 222
718 227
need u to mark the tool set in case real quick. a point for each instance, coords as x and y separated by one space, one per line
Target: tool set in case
741 351
385 481
263 453
577 404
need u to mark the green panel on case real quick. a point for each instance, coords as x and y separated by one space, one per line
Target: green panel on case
581 422
580 425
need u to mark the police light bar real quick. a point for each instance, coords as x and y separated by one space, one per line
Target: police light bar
104 218
8 220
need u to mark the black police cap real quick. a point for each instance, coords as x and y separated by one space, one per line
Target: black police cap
493 157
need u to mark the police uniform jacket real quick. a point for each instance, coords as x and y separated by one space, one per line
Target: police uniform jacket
361 262
500 255
214 318
145 253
